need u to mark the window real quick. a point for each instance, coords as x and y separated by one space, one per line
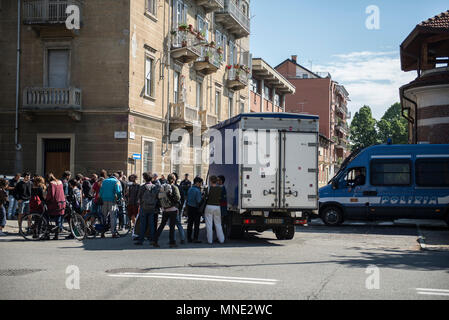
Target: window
58 68
242 107
390 172
217 102
277 100
230 106
356 177
198 162
232 55
220 40
253 85
432 172
151 7
179 13
149 77
305 76
176 86
199 96
203 26
147 159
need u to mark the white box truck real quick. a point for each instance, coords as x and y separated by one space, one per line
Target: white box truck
270 162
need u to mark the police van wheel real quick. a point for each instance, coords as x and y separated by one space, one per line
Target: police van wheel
285 233
332 216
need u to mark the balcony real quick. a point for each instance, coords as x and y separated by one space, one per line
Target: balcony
183 116
237 79
341 144
211 5
210 60
52 99
44 12
185 46
207 120
233 19
342 127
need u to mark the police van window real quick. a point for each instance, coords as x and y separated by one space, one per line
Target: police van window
391 172
356 177
432 172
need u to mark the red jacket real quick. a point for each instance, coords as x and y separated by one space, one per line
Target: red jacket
55 199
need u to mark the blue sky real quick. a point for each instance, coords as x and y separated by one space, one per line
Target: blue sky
332 36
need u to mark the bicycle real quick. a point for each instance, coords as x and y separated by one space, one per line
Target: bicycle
95 225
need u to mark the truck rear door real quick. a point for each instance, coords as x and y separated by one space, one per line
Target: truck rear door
260 177
299 170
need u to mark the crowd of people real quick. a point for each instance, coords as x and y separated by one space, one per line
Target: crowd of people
110 195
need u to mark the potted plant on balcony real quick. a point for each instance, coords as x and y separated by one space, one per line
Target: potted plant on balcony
182 27
220 50
190 27
212 44
208 56
201 35
228 67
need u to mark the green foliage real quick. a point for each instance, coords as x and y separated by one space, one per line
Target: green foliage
363 129
366 131
393 125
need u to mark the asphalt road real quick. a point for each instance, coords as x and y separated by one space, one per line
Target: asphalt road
320 263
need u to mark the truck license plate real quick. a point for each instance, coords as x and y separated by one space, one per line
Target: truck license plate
274 221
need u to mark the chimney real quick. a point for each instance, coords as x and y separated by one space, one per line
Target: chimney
295 58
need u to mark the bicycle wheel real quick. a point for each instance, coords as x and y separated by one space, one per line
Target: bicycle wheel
91 221
123 225
78 227
33 227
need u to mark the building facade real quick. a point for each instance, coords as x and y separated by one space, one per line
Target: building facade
318 94
425 101
110 94
269 88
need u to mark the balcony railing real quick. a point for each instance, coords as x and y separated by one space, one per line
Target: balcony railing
46 11
185 46
237 78
184 115
211 5
207 120
52 98
210 60
234 19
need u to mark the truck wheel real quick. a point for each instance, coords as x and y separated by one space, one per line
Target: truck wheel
285 233
232 232
332 216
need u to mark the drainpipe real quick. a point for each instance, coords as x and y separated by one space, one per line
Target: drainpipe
18 163
167 64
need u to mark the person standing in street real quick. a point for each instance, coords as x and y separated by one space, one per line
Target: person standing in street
179 205
65 182
3 199
148 202
23 194
12 198
88 192
194 198
169 196
132 198
212 213
110 192
55 201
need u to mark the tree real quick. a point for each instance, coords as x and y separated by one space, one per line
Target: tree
363 129
393 125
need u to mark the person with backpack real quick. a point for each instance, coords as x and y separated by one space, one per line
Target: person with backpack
194 198
169 196
38 193
3 199
88 193
55 201
110 192
149 202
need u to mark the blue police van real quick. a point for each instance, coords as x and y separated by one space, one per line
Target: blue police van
389 182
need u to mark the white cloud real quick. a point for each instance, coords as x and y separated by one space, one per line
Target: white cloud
371 78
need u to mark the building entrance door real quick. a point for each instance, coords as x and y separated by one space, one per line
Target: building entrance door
56 156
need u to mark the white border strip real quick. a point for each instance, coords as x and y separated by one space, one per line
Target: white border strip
392 157
432 156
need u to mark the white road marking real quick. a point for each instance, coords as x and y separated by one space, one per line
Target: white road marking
195 277
433 292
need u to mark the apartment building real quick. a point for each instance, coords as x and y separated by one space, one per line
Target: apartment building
425 101
268 88
318 94
111 93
